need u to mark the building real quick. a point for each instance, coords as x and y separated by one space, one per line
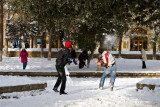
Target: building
136 39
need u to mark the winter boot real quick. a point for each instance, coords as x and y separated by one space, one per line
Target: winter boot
62 93
55 89
111 86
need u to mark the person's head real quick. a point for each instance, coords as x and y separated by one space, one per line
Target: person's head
23 50
100 50
68 45
85 52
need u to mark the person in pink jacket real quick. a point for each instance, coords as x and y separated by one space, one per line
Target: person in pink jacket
24 55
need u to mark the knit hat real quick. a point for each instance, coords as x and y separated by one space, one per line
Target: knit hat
68 44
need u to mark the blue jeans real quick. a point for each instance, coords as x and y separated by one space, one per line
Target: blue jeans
112 71
24 65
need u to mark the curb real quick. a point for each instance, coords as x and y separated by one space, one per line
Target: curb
20 88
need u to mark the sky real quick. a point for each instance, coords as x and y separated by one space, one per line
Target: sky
82 92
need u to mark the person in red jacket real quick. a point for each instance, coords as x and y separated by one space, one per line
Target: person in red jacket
24 55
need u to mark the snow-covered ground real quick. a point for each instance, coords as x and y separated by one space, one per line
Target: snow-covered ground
79 50
13 64
82 92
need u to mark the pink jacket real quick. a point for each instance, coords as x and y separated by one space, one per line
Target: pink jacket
24 56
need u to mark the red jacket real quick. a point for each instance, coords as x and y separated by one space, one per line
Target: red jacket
24 56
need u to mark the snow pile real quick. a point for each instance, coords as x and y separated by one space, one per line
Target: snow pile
151 81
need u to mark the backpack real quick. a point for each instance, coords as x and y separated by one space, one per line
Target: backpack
108 59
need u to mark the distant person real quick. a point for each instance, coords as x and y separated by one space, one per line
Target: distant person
61 61
82 59
26 45
144 58
15 45
24 55
73 56
108 61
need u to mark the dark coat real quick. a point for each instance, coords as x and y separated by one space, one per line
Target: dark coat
62 57
73 54
82 58
26 45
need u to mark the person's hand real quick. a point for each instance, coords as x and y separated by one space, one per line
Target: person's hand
98 63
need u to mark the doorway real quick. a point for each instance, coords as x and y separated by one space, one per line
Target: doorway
138 45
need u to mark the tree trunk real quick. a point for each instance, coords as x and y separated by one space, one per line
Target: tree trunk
154 51
120 43
6 46
1 31
8 21
34 42
20 44
61 38
67 35
50 46
42 42
31 42
102 42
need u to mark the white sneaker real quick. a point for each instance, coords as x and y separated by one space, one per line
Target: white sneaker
100 88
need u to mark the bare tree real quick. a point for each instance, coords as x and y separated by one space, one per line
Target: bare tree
1 31
50 46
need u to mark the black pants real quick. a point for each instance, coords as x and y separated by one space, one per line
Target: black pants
81 65
61 78
143 64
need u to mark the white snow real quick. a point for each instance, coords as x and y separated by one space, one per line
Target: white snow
16 80
153 81
39 49
82 92
13 64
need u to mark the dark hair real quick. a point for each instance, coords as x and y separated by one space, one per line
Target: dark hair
85 52
100 50
24 50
